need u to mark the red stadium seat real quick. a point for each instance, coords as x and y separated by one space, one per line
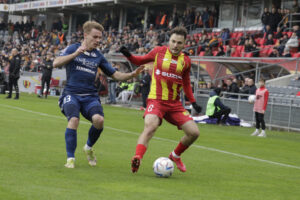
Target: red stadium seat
248 55
296 55
240 48
239 34
202 53
289 34
215 53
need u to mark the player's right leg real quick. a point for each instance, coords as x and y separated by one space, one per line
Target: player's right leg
70 107
256 132
150 125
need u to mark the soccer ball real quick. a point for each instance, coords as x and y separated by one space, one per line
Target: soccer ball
163 167
251 98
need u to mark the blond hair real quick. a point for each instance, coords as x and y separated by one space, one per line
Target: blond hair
89 25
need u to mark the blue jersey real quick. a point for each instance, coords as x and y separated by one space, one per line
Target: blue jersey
81 71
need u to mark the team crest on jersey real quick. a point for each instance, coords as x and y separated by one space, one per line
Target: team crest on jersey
26 83
157 72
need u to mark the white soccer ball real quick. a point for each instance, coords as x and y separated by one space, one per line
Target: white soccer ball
163 167
251 98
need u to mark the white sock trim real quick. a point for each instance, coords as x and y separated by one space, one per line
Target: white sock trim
174 155
70 158
87 147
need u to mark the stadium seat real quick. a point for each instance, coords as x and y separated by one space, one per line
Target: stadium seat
289 34
240 48
215 53
296 55
202 53
248 55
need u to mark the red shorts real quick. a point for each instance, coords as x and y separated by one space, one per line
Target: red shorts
172 111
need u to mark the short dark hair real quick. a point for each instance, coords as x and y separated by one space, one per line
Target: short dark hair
262 80
179 30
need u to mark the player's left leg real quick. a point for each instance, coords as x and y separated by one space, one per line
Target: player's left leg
92 110
263 125
191 131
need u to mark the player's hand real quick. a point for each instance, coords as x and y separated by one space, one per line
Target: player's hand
197 107
80 50
138 71
125 51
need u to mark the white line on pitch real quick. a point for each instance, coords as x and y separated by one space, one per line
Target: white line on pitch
163 139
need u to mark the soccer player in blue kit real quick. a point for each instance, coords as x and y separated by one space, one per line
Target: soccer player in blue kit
80 94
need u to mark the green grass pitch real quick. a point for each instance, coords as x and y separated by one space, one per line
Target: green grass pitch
225 163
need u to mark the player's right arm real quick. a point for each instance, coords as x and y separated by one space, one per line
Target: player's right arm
139 60
67 56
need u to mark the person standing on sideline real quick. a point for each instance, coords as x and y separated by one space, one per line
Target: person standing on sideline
260 106
46 74
216 109
171 73
82 61
145 88
112 86
14 72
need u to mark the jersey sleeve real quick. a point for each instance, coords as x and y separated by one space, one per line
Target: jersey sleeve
106 67
69 50
187 82
266 98
140 60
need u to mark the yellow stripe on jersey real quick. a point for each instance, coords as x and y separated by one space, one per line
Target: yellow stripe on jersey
180 64
174 87
165 90
152 93
167 61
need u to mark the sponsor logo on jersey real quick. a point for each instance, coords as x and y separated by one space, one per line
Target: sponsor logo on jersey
167 74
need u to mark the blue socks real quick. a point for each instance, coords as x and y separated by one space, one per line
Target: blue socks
71 142
93 136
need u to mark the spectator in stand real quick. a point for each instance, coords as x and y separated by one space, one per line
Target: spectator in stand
282 42
245 87
275 53
232 88
274 19
205 18
297 30
214 41
252 87
292 42
225 36
279 33
268 31
265 18
208 51
223 86
270 40
198 21
220 51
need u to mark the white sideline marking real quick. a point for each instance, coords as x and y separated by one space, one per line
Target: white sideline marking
163 139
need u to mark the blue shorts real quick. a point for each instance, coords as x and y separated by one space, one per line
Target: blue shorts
72 105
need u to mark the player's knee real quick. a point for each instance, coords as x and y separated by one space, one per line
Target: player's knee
73 123
195 133
98 121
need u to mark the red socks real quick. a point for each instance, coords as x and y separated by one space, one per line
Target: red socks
180 149
140 150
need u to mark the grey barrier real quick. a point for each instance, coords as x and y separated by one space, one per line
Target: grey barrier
282 112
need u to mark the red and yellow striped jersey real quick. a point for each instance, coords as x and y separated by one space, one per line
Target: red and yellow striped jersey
170 74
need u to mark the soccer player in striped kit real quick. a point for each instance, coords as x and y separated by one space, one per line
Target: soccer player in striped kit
260 106
171 73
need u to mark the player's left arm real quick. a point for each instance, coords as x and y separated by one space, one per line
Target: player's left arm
266 98
188 89
120 76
